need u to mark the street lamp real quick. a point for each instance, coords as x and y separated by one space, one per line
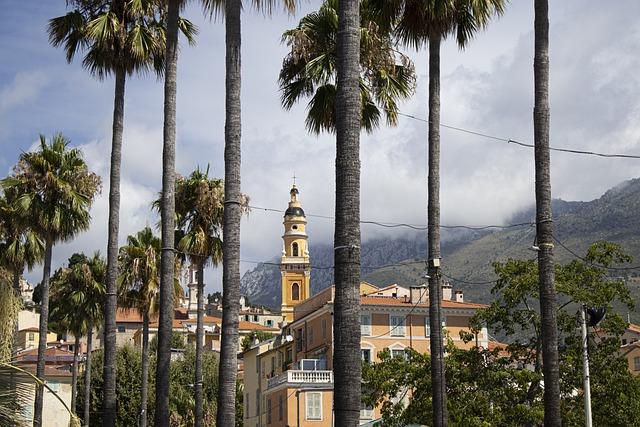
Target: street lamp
594 316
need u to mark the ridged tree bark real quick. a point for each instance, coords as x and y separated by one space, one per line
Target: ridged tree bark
226 415
74 373
144 375
167 212
346 357
43 331
199 348
544 220
87 376
109 368
440 413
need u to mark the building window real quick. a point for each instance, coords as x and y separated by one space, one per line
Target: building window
366 411
314 405
366 355
310 335
289 356
121 328
294 227
269 322
269 411
324 328
294 249
636 363
427 327
397 326
295 292
280 408
398 352
32 336
365 324
300 339
273 366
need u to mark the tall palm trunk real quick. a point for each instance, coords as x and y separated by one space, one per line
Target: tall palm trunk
346 356
144 376
74 373
199 348
440 415
167 212
226 416
544 221
110 307
43 330
87 375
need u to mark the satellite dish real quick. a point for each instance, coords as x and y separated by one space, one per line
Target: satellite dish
289 338
595 315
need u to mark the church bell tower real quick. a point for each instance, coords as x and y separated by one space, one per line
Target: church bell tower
295 266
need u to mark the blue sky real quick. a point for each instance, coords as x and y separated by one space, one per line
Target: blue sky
488 87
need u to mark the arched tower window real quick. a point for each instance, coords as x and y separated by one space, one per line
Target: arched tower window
295 291
294 251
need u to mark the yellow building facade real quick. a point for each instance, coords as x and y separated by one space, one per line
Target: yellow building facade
295 265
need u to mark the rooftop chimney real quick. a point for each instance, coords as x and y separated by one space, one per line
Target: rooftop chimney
447 291
459 296
418 294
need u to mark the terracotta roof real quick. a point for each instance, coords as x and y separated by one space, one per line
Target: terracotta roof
124 315
181 317
391 301
634 328
49 370
53 355
32 329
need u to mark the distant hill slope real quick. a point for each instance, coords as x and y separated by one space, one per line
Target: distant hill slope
468 256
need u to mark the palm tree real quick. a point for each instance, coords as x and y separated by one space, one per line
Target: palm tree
77 300
120 37
139 288
199 212
225 417
20 246
346 333
544 224
309 69
416 23
56 189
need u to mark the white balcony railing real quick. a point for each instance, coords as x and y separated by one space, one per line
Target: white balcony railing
301 377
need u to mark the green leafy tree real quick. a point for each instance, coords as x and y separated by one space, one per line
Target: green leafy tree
418 23
77 301
257 334
55 188
119 37
309 69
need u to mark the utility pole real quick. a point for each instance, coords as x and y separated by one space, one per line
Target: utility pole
585 360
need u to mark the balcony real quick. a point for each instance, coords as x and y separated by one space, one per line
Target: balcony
301 377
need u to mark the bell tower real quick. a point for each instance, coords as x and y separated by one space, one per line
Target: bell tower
295 266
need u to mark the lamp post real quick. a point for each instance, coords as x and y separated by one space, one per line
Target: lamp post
595 315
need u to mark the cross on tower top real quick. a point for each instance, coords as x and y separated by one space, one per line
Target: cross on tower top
294 177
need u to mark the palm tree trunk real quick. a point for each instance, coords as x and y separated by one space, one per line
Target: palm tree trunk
144 380
346 356
544 221
110 307
87 375
43 330
167 212
440 414
74 373
199 347
226 415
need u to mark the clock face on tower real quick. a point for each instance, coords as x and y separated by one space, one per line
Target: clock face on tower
295 266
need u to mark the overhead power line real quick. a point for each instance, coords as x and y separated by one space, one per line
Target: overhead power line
418 227
523 144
